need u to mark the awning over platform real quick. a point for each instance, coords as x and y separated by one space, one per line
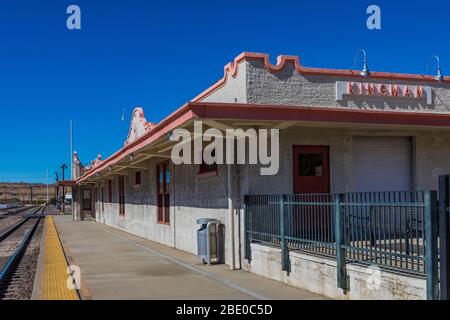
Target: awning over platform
66 183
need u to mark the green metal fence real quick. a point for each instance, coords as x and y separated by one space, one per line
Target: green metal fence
395 230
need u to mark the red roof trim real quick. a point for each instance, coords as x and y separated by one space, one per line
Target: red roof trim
180 116
66 183
233 67
274 113
317 114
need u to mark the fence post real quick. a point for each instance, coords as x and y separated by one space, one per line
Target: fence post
340 251
444 237
431 252
247 249
284 249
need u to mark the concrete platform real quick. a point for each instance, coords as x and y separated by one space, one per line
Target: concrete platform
117 265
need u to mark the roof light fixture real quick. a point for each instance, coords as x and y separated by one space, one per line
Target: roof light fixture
365 71
439 76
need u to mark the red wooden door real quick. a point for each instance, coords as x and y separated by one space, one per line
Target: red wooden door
121 196
311 169
163 192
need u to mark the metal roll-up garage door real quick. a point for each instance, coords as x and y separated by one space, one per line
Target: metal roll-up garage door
382 163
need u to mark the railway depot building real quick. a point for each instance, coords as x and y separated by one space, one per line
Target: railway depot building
377 142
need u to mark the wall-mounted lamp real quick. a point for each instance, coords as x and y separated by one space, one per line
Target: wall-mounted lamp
365 71
131 157
110 169
438 77
170 136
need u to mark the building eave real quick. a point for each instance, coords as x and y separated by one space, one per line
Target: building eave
317 114
66 183
280 113
171 122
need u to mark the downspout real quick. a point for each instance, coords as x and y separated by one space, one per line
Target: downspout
231 216
173 184
74 201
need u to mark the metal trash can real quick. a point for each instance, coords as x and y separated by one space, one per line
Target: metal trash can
208 240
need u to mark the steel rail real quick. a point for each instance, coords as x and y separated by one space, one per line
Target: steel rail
15 257
8 213
6 233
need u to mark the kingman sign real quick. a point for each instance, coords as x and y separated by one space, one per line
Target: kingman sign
353 88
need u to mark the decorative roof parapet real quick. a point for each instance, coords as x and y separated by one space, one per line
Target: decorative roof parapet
138 126
140 130
98 161
77 168
232 68
76 160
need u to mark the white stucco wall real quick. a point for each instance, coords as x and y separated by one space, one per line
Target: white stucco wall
140 207
255 84
318 275
194 196
430 154
234 90
291 88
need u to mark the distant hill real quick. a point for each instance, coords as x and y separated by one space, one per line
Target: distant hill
21 191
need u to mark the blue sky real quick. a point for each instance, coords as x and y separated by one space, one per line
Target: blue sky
160 54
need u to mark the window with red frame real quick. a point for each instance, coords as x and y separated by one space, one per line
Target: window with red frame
110 191
137 178
163 192
87 201
208 168
121 195
103 199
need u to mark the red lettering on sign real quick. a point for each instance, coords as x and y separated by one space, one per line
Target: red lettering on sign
408 92
395 91
351 89
380 89
419 92
383 90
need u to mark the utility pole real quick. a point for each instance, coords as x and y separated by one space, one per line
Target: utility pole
47 186
63 168
57 189
71 150
31 194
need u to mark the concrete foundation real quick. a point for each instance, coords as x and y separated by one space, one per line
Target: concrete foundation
318 275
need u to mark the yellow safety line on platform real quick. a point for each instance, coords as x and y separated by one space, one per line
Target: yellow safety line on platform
55 267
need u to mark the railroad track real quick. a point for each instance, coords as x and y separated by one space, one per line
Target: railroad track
9 212
19 251
8 221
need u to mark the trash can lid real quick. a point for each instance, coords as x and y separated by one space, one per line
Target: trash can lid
206 220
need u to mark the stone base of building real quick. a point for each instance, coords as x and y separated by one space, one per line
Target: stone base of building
318 275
